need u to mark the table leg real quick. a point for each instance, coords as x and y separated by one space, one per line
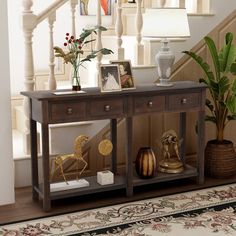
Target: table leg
34 158
182 132
200 147
46 177
129 156
113 125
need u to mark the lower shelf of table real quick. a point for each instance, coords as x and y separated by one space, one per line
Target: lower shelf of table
188 172
94 187
119 183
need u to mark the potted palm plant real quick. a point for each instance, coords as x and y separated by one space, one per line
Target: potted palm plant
220 156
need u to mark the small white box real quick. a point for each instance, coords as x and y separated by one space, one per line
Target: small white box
105 177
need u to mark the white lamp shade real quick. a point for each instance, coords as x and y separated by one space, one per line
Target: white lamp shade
165 23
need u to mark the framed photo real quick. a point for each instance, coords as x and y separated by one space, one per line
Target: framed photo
89 7
110 78
126 75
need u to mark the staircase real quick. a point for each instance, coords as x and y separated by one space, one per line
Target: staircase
142 73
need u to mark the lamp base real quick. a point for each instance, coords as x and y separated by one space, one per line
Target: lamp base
164 85
164 60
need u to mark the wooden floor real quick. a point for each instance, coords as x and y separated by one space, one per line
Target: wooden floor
25 208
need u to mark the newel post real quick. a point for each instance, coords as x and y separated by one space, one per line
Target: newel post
28 24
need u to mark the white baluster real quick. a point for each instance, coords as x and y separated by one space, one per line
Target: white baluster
181 3
99 38
73 4
139 48
162 3
205 6
119 30
28 24
52 84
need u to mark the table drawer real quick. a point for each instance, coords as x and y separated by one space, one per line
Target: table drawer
149 104
183 101
71 111
109 107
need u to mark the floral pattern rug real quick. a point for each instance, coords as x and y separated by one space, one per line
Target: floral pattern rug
208 212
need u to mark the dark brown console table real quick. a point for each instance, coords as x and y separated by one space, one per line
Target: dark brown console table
48 108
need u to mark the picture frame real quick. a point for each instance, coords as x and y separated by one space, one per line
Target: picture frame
89 7
126 74
109 76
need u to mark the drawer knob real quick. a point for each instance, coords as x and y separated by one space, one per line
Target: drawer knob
107 108
150 104
69 111
184 101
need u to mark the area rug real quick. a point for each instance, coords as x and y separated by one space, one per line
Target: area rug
209 211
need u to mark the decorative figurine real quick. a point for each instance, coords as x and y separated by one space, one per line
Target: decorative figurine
77 156
105 147
171 162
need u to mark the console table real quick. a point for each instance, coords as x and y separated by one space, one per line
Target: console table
48 108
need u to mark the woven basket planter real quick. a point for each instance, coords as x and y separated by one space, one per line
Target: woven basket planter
220 159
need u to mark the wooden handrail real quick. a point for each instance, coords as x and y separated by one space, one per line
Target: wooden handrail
52 8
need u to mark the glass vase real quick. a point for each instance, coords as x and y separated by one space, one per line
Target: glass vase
75 79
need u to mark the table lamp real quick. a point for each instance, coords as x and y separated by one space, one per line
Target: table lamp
165 23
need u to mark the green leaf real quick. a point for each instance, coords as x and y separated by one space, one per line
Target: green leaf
210 118
209 104
102 28
233 88
224 85
214 55
233 68
231 104
202 80
89 41
106 51
231 117
203 65
227 55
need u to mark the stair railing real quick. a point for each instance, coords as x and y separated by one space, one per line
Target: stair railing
29 23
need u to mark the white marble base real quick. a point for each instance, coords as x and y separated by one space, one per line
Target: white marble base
71 185
68 92
105 177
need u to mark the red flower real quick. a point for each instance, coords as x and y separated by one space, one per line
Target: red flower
67 38
65 44
72 37
67 34
79 47
69 41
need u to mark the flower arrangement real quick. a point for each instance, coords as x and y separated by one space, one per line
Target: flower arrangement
75 51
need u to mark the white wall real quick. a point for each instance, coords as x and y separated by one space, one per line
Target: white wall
6 157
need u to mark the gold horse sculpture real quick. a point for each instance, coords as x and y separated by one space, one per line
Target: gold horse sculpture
77 156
